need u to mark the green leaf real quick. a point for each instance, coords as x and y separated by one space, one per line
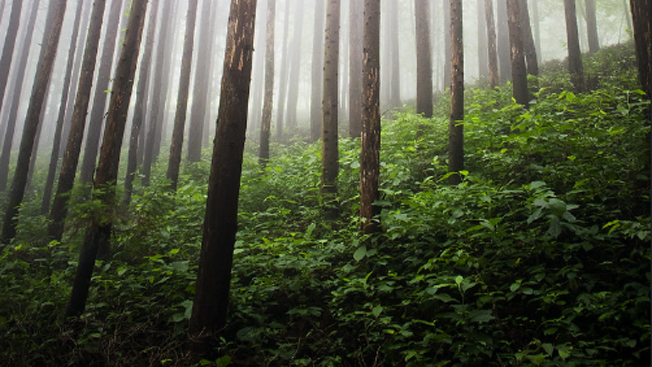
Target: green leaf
558 207
443 297
377 310
481 316
360 253
548 348
555 227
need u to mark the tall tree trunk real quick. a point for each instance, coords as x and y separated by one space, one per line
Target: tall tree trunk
316 94
283 79
268 102
356 35
492 55
142 99
258 71
182 100
59 208
447 44
519 74
209 309
200 90
536 28
395 71
370 141
529 48
54 157
455 126
592 25
575 67
107 169
641 18
628 18
103 83
483 62
8 46
424 58
504 58
329 132
20 69
295 70
43 74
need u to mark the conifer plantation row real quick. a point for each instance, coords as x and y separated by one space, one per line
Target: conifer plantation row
325 183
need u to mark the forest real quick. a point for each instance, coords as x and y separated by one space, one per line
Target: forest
325 183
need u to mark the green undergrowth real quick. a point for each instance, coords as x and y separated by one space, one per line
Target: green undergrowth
539 258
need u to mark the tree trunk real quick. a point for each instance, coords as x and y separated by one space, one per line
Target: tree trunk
492 55
99 233
504 58
43 74
627 15
295 70
59 208
370 141
268 102
54 157
182 100
641 15
395 70
356 35
536 28
519 73
592 26
329 132
283 79
483 62
20 69
8 47
575 67
103 83
447 44
455 127
317 71
209 310
424 58
142 98
529 48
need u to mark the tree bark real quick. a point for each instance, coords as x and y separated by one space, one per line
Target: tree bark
99 233
395 70
529 48
356 35
8 46
59 208
592 26
575 67
268 102
641 14
182 99
209 310
483 62
492 54
43 74
504 58
536 28
424 58
447 44
54 157
455 126
370 140
283 78
317 71
519 73
329 132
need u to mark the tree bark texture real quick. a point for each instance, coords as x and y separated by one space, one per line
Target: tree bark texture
356 35
182 99
519 73
54 157
8 46
575 67
99 233
529 48
317 71
32 120
492 53
641 14
329 132
592 25
455 127
370 139
424 58
268 100
209 310
70 160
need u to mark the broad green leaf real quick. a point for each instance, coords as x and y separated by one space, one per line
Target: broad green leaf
360 253
377 310
548 348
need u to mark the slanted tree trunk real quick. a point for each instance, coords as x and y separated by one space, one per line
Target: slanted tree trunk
295 70
70 160
492 55
209 309
265 127
329 135
455 127
19 78
54 157
103 83
641 15
182 100
519 73
592 25
43 74
370 140
504 58
107 169
356 32
317 71
424 58
283 79
8 46
142 98
529 48
575 67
